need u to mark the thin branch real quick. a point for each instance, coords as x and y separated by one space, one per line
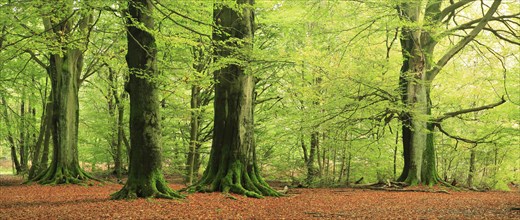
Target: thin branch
470 24
181 15
268 99
498 35
177 23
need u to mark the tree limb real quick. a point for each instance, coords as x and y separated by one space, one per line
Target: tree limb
177 23
36 59
458 47
450 9
470 24
458 138
464 111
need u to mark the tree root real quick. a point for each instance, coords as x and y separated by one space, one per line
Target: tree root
235 180
55 175
395 187
153 187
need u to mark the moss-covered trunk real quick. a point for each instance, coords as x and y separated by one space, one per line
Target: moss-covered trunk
232 164
422 21
417 132
145 177
39 147
65 68
64 167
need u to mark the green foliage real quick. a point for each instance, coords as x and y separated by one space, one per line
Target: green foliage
330 67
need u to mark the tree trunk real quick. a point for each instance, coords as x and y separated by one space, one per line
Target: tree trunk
417 73
64 71
44 162
304 147
348 166
312 172
194 133
395 154
334 154
232 164
116 110
118 164
145 177
23 148
342 168
10 138
46 118
414 87
64 167
471 173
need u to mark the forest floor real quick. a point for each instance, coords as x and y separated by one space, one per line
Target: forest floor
92 202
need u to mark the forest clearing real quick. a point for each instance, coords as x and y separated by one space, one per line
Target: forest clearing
93 202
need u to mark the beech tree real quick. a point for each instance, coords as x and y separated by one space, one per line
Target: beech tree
422 30
232 164
145 177
65 66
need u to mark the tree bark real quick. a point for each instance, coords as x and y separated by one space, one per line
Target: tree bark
46 119
10 138
417 73
232 164
471 173
23 148
64 71
194 134
116 110
145 177
312 172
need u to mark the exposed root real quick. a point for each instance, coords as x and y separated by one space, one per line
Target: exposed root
235 180
62 175
152 187
396 187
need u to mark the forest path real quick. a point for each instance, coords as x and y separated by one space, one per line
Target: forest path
92 202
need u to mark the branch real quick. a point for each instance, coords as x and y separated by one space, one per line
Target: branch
464 111
450 9
470 24
498 35
267 99
480 141
36 59
462 43
184 16
177 23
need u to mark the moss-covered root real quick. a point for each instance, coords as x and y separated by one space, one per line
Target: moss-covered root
61 175
154 187
236 180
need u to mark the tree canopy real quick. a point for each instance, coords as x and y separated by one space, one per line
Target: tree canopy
336 92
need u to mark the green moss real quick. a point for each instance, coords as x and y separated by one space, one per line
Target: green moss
502 186
235 179
60 174
146 186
